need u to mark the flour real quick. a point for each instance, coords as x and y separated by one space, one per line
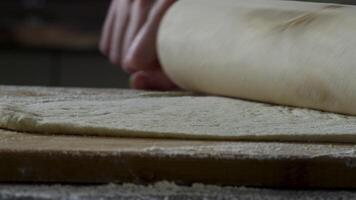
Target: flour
162 190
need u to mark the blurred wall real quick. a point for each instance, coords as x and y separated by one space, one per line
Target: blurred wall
54 43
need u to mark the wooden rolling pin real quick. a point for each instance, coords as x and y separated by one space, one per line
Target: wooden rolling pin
281 52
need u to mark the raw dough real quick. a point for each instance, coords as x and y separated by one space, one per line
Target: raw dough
284 52
165 115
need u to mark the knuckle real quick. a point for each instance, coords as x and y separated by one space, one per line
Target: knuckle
128 62
114 59
103 49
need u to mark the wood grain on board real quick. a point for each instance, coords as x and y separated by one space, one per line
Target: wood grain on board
74 159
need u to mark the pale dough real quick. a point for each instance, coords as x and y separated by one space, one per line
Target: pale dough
128 113
283 52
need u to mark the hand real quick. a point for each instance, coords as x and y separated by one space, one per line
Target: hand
129 40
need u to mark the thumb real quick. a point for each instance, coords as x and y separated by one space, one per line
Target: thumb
151 80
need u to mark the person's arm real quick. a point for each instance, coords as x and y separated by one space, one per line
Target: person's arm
129 40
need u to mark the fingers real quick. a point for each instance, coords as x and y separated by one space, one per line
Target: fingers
129 40
142 54
138 15
151 80
119 29
105 41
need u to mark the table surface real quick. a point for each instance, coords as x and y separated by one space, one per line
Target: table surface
162 191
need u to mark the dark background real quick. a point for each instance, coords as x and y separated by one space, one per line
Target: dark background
54 43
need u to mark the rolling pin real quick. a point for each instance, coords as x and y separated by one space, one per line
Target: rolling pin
281 52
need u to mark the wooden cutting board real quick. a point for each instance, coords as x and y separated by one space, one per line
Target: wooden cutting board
26 157
73 159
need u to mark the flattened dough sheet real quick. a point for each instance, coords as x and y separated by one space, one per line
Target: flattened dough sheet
126 113
284 52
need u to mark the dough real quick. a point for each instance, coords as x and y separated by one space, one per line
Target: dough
128 113
282 52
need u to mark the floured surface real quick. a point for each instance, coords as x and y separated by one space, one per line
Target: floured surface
164 115
163 190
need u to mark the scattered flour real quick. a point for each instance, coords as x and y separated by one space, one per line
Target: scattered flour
162 191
